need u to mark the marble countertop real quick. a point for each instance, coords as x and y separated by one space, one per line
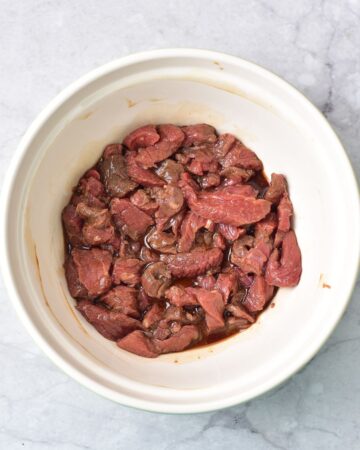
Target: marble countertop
45 45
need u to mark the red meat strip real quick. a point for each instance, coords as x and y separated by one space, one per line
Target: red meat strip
137 342
277 188
130 219
122 299
259 294
239 312
156 279
223 145
114 173
213 304
227 284
199 134
255 259
195 263
139 174
236 175
143 201
171 139
142 137
285 271
178 296
241 156
97 228
210 180
170 171
153 315
188 335
189 227
90 269
90 185
285 212
203 160
170 200
230 232
231 205
73 225
111 324
161 241
127 271
266 227
206 282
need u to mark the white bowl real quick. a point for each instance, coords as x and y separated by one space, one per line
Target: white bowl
181 86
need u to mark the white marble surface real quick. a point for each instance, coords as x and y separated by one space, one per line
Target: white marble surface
45 45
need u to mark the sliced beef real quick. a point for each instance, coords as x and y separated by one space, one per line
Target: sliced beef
199 134
97 228
210 180
285 270
206 282
161 241
127 270
122 299
260 292
144 301
223 145
213 304
176 237
148 255
90 186
88 269
187 335
189 227
170 200
139 343
277 188
245 279
194 263
139 174
178 296
279 237
143 201
112 325
170 171
156 279
239 312
114 174
203 160
254 259
142 137
227 284
227 206
73 224
285 212
176 221
230 232
130 219
241 156
236 175
171 139
153 315
76 288
218 241
266 227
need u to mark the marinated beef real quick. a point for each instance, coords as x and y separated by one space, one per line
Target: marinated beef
175 238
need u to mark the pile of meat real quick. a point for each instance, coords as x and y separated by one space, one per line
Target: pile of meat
175 238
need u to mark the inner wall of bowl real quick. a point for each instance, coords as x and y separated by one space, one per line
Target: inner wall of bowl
79 145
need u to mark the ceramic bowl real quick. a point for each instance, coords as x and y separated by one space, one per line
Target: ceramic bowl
181 86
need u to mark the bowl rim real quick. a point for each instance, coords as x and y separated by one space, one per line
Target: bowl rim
9 277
